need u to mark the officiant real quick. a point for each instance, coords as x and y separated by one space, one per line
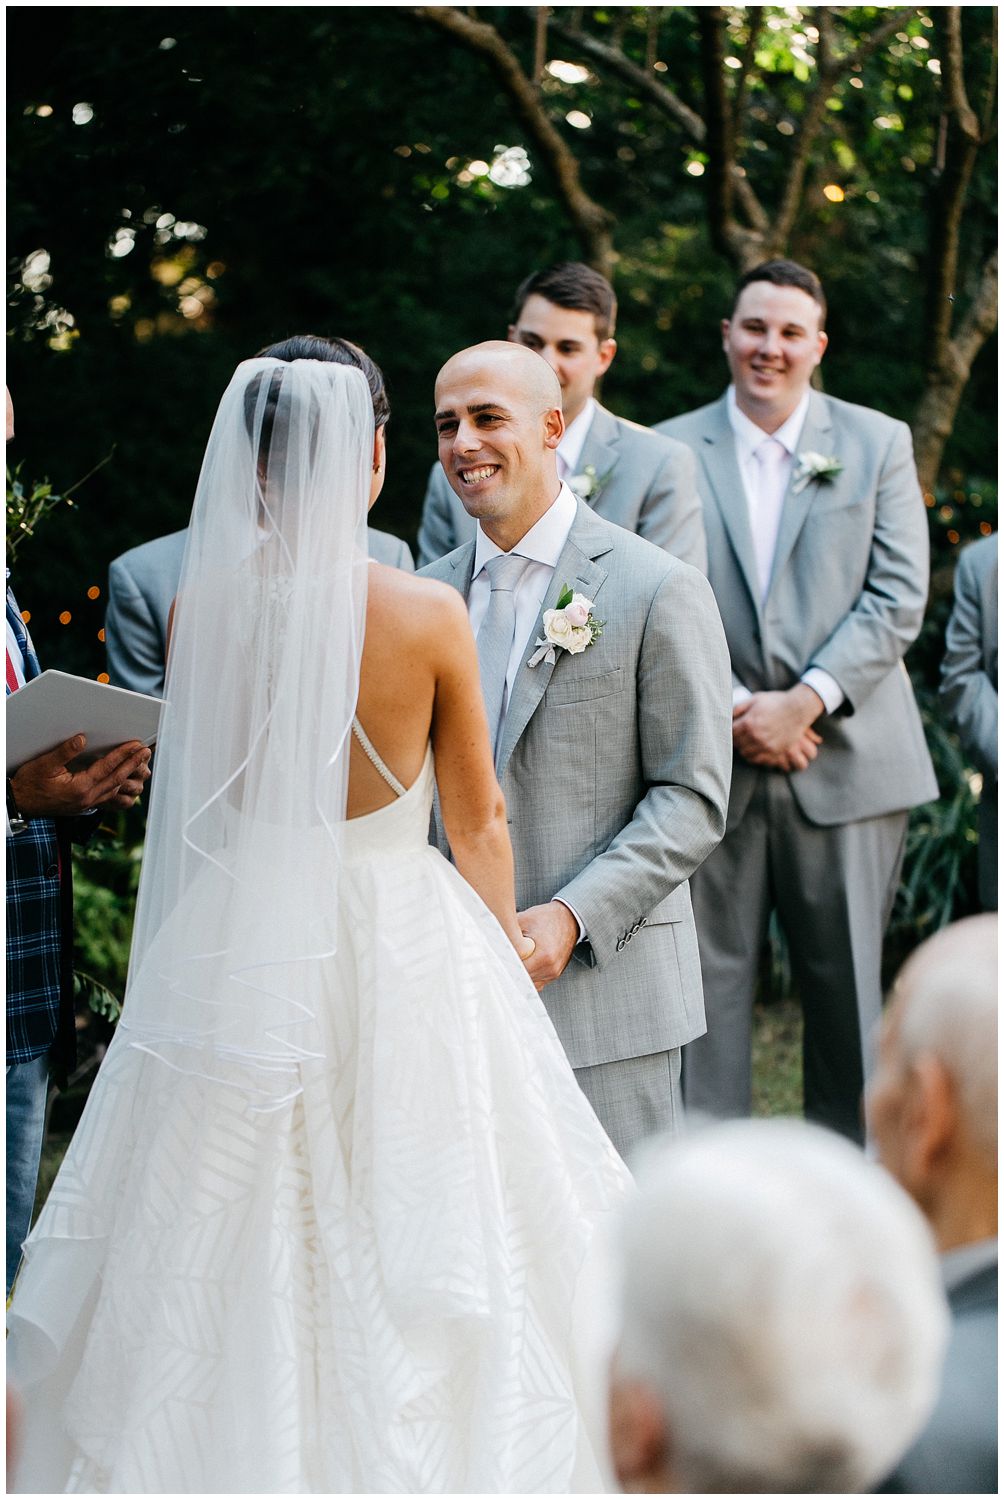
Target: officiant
48 807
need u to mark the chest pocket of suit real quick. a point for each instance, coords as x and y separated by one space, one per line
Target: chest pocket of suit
570 686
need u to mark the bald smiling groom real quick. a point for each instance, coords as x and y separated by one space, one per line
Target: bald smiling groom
614 757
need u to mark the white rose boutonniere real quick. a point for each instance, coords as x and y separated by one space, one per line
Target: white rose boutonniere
571 626
588 484
814 466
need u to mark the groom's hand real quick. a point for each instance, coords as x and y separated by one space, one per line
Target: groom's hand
555 932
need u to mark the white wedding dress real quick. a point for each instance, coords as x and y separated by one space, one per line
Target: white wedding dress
388 1280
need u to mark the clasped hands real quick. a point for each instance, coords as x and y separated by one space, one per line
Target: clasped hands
553 932
774 728
46 787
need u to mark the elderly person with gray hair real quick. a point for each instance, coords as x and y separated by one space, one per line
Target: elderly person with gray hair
932 1109
782 1318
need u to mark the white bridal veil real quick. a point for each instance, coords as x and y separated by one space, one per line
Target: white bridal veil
234 919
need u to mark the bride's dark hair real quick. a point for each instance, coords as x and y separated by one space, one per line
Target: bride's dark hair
335 351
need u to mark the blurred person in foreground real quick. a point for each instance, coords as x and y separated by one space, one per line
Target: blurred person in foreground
932 1110
782 1318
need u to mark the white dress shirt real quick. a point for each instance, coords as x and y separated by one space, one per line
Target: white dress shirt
574 440
543 545
765 486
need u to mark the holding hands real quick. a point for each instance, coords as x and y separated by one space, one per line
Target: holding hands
774 728
553 933
46 787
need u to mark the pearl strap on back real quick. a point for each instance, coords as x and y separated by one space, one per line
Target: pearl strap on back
366 745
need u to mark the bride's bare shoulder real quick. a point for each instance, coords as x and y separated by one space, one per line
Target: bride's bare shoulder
426 600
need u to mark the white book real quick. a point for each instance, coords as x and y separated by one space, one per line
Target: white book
55 706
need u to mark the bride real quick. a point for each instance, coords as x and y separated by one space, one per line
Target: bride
330 1220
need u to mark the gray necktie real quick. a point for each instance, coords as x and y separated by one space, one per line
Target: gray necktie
495 637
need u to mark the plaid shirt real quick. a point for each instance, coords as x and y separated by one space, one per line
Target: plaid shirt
39 923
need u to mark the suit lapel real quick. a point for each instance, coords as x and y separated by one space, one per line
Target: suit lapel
462 565
815 436
578 569
601 450
718 452
30 662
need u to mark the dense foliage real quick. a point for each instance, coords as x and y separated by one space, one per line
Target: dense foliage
189 184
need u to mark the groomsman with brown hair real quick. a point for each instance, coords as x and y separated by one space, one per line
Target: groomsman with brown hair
818 557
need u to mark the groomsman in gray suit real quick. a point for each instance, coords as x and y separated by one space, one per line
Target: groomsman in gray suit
142 584
969 689
818 556
612 748
624 472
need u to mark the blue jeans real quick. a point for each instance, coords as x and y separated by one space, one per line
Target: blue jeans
27 1085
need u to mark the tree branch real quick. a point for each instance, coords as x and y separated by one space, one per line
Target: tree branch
794 186
830 68
718 120
980 319
648 87
754 17
652 37
539 45
987 127
953 75
875 39
592 223
665 100
937 408
961 138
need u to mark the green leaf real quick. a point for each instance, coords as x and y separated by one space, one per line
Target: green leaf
99 998
565 597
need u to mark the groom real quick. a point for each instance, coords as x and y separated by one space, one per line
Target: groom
614 756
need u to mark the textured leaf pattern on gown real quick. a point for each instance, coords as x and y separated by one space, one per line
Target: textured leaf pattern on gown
384 1285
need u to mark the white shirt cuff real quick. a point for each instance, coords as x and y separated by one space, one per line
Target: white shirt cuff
822 683
740 694
582 925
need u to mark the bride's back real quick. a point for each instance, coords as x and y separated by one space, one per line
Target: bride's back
406 621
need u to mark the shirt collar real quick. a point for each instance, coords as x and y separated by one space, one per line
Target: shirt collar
574 439
749 436
545 540
965 1261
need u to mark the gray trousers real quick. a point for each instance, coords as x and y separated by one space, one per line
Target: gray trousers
635 1096
833 890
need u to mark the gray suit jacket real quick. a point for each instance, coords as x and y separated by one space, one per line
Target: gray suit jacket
847 593
646 483
957 1451
615 769
969 688
142 584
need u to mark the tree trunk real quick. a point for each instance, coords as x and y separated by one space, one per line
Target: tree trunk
937 408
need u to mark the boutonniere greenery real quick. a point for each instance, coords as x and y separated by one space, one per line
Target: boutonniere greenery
588 484
814 466
571 626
